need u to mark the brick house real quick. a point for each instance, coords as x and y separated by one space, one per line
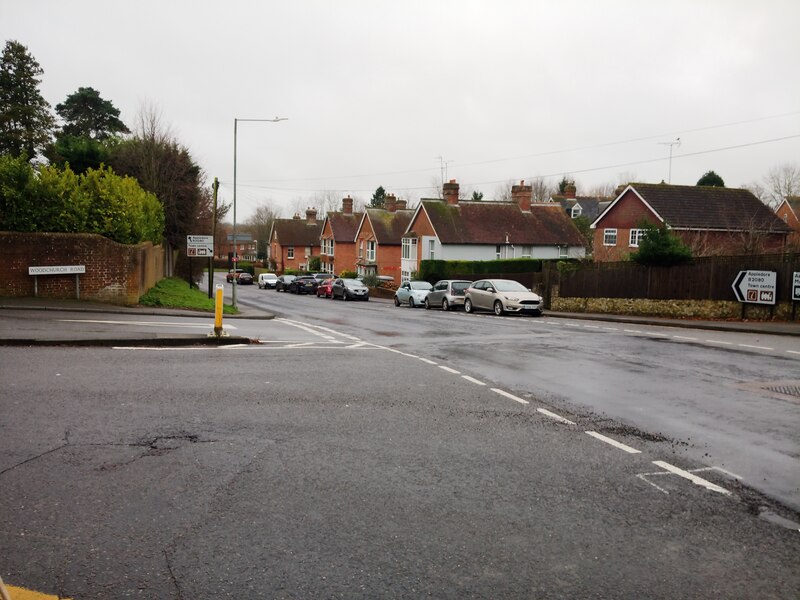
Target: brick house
338 245
292 242
789 212
379 237
710 220
453 229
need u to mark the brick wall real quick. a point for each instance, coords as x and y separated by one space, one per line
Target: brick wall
115 273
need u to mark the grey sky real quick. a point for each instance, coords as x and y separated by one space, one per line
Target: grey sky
375 91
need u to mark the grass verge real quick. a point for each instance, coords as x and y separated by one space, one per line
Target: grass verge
175 293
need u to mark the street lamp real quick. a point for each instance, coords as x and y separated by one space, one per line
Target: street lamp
235 129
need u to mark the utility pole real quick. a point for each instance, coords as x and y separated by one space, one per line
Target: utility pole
215 189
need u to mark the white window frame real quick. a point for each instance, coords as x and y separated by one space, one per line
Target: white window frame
610 236
576 211
290 253
361 248
371 250
635 237
409 251
526 251
405 276
563 252
432 249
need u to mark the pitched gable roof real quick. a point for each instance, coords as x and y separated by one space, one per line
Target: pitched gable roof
296 232
388 227
794 204
501 222
344 227
705 208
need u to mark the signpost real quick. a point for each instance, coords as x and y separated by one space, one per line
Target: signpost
200 246
76 270
795 293
755 287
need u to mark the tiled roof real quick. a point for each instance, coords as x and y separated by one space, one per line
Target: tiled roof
794 204
389 227
501 222
344 226
704 207
296 232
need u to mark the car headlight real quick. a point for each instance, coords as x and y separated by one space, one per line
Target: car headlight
511 299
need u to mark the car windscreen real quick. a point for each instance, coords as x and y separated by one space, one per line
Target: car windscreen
352 282
420 285
270 277
460 286
509 286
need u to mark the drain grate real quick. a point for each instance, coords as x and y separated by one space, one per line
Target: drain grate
787 390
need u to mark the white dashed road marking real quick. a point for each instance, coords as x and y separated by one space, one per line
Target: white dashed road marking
693 478
449 370
511 396
614 443
553 415
473 380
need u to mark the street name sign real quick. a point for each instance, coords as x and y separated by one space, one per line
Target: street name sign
756 287
199 245
795 287
57 270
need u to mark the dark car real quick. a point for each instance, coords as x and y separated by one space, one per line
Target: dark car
244 279
349 289
324 290
282 285
305 284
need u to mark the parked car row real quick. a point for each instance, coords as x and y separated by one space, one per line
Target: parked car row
498 295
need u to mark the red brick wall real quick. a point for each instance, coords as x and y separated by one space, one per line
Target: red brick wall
115 273
344 256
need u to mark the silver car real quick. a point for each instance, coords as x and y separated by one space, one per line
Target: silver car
447 293
501 296
412 293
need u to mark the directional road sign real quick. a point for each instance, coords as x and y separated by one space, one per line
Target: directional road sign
796 287
199 245
756 287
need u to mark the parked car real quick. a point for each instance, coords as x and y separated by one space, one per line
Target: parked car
233 273
305 284
412 293
447 293
349 289
324 289
323 276
282 284
267 280
501 296
244 279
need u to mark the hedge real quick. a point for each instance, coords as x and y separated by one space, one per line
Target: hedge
434 270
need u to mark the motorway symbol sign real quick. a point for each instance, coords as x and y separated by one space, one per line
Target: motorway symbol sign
199 245
796 287
755 287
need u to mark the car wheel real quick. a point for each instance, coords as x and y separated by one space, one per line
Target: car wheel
498 308
445 304
411 302
396 301
468 305
427 304
344 296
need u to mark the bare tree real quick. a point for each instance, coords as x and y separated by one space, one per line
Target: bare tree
327 201
260 226
503 191
540 190
779 182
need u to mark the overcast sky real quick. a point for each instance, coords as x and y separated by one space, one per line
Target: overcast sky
376 91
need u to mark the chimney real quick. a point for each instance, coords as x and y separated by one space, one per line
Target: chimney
296 217
311 216
450 192
401 205
569 190
522 195
390 203
347 206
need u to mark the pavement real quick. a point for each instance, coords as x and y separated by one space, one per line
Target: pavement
784 328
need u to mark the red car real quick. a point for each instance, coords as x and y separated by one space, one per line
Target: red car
324 289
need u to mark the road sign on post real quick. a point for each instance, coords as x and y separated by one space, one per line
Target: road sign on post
795 287
756 287
199 245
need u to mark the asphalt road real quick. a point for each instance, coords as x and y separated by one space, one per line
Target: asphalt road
358 453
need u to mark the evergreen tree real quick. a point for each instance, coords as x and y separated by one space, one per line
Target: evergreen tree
378 197
26 124
87 115
477 196
711 179
660 247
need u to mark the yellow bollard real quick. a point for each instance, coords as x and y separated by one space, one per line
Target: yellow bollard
218 294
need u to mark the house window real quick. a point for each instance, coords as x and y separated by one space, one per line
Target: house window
290 253
410 248
576 211
432 249
526 251
562 252
327 246
405 276
371 251
497 252
609 237
636 236
360 248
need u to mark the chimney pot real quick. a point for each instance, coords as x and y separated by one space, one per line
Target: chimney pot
450 192
347 205
390 203
311 216
522 195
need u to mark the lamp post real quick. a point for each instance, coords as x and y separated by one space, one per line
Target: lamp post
235 130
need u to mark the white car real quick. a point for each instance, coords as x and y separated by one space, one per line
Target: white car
412 293
267 280
502 296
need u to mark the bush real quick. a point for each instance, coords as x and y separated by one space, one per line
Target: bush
434 270
370 281
348 274
660 247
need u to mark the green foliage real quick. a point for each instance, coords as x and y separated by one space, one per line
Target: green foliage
661 247
348 274
315 264
47 198
477 196
583 224
434 270
378 197
370 281
710 179
26 124
87 115
78 153
562 185
174 292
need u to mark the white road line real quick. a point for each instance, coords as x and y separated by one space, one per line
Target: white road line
754 347
425 360
511 396
611 328
728 473
449 370
693 478
592 326
182 325
553 415
793 352
614 443
643 477
572 325
473 380
683 337
631 331
719 342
